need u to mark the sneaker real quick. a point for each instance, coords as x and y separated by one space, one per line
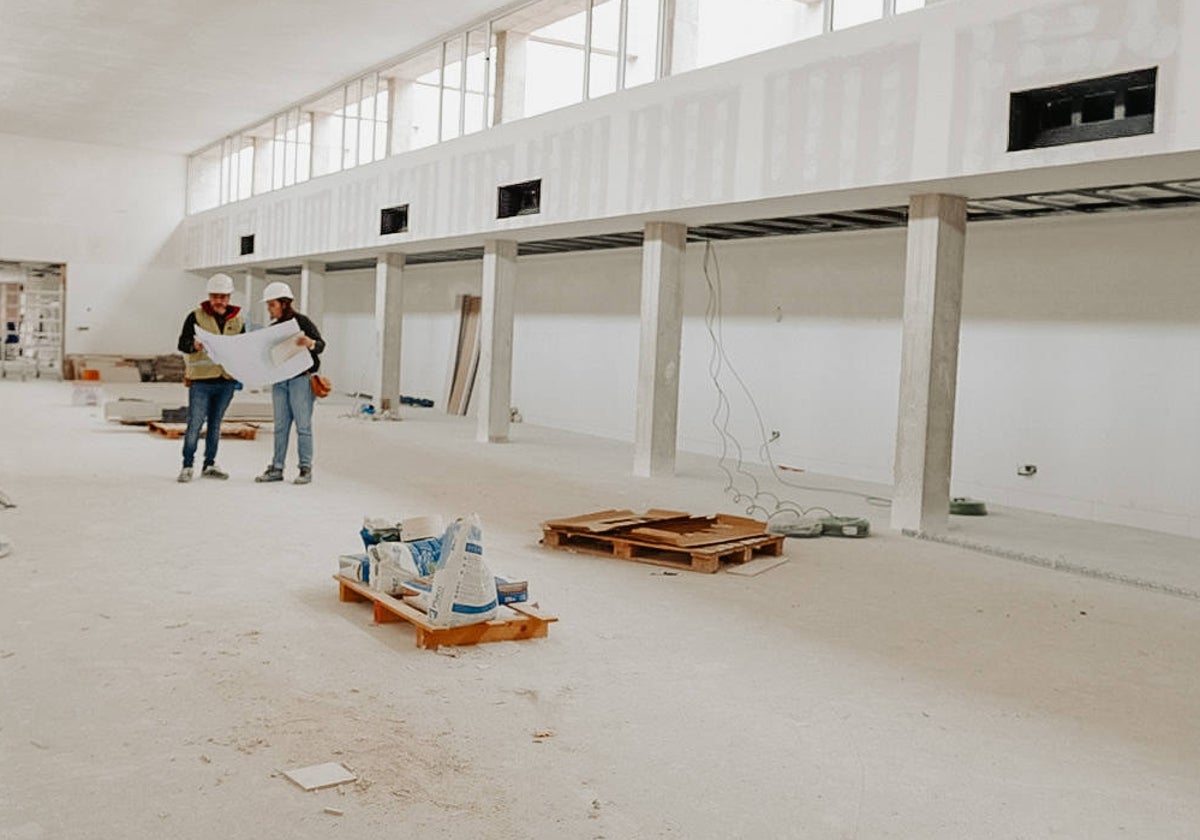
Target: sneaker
213 471
271 473
305 476
185 475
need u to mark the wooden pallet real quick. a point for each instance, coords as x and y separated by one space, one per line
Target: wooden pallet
244 431
705 558
527 623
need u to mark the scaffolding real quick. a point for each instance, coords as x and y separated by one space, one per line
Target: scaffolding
31 301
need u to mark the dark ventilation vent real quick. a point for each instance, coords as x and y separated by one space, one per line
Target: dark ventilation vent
393 220
1094 109
520 199
247 245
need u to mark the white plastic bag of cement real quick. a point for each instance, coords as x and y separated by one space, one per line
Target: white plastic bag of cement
391 564
464 590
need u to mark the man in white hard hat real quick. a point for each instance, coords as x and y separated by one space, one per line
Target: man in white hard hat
210 388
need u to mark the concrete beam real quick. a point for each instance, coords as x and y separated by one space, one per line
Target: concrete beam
933 283
658 361
494 379
389 317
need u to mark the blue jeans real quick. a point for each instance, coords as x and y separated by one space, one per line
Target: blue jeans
293 399
207 401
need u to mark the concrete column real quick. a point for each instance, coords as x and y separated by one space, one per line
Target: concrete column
312 291
929 362
509 101
493 382
256 313
389 313
658 360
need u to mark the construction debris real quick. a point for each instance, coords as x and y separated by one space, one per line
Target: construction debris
321 775
664 537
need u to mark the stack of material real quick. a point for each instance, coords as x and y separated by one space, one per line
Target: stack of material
664 538
169 368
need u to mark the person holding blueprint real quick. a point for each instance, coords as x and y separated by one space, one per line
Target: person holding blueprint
292 397
210 386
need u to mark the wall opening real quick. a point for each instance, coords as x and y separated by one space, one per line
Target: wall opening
1083 111
393 220
247 245
520 199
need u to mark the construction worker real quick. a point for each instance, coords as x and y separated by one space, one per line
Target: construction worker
210 388
292 398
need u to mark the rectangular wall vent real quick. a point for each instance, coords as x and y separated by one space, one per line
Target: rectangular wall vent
393 220
247 245
520 199
1080 112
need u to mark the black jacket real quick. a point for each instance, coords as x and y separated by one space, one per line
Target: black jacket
310 329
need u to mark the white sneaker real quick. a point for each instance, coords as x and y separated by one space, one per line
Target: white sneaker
185 475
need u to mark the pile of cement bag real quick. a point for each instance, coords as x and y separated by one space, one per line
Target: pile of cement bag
441 568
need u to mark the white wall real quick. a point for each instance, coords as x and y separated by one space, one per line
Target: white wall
1080 354
112 216
430 328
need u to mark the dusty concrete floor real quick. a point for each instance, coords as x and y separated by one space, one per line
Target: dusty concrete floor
166 650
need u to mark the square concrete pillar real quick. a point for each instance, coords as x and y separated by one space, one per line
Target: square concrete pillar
389 316
658 360
494 379
933 283
312 291
254 282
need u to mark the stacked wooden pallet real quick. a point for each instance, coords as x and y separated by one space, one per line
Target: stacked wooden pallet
664 537
245 431
515 621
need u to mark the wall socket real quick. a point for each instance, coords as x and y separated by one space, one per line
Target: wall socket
1027 469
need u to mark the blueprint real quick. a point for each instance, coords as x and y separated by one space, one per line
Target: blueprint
261 357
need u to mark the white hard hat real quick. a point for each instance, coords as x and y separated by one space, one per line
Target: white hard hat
220 284
276 290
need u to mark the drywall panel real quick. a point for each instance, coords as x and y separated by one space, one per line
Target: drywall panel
856 116
112 215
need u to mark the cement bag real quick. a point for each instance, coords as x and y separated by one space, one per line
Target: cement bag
355 566
426 555
391 564
463 591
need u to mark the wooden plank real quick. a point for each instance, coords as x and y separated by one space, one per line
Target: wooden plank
612 520
697 531
244 431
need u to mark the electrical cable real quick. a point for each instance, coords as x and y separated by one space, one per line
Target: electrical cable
718 361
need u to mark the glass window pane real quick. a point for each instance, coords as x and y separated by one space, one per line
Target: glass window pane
204 180
326 119
853 12
602 69
451 86
641 42
474 117
303 146
908 5
263 139
542 61
711 31
414 100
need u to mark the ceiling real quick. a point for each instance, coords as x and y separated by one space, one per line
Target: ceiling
173 76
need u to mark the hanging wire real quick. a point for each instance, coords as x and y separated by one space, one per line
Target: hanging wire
757 499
